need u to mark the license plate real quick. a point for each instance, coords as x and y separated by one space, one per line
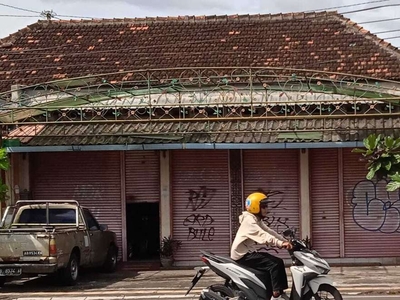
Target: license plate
32 253
10 271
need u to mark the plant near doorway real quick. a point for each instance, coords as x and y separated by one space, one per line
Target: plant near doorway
168 248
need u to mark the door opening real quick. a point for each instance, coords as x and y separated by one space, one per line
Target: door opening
143 230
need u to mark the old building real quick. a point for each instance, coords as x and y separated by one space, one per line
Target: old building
162 126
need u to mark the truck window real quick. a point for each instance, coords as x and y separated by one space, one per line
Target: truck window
56 215
90 220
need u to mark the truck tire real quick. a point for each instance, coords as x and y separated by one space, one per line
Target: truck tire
69 275
110 263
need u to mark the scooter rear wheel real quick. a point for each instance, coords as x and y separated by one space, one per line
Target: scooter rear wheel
325 292
222 290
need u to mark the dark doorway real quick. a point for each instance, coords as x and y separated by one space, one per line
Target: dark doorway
143 230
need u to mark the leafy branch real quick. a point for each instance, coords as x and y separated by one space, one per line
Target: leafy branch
4 165
383 159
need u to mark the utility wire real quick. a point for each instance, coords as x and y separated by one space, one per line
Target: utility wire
386 31
393 37
23 9
19 16
76 17
369 8
349 5
377 21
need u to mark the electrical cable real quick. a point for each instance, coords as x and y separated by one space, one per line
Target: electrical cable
18 8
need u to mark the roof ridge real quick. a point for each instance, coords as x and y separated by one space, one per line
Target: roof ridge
195 18
382 43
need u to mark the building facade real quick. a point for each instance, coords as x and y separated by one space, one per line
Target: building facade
162 126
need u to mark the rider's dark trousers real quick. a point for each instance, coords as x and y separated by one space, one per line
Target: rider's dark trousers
268 263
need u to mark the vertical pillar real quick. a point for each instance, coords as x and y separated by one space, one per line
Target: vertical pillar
123 206
341 203
165 197
235 189
305 201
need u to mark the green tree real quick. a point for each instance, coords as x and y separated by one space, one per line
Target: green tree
382 155
4 165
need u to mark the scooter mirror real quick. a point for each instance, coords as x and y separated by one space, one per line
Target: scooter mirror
288 232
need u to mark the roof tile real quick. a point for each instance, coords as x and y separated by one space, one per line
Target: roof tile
323 41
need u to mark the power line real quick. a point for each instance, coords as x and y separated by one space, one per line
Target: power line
19 16
349 5
377 21
393 37
369 8
386 31
76 17
19 8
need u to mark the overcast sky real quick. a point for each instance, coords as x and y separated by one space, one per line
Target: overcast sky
152 8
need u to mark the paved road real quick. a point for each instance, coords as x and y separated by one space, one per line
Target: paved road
172 285
170 297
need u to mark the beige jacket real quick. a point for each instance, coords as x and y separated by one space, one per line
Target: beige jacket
253 231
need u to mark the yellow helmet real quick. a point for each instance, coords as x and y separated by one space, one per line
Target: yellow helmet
253 202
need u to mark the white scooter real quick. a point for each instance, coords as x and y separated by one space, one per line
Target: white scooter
309 274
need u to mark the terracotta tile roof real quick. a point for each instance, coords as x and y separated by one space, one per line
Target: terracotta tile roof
50 50
258 131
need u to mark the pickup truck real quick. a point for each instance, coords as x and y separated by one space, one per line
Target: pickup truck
53 237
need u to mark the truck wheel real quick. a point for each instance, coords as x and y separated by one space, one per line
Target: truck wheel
69 275
110 263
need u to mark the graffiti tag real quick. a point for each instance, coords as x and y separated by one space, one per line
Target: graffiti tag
200 226
375 209
199 199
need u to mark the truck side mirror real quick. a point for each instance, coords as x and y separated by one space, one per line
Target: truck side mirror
103 227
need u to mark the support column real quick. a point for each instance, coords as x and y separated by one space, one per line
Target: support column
123 206
165 197
235 189
305 201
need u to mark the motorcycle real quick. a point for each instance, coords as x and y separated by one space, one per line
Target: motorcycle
309 276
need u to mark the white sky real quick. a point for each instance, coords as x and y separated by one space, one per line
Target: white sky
151 8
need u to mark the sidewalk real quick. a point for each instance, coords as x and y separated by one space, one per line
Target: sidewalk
173 284
349 280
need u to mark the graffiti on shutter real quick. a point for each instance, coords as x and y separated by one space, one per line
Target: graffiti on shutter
199 224
89 192
375 209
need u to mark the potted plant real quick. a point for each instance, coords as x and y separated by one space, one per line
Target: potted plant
167 250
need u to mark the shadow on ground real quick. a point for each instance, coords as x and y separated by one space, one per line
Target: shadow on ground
88 280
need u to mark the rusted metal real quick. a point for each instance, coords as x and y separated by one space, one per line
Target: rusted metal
181 95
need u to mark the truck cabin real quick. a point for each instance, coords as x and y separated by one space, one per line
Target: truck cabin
39 215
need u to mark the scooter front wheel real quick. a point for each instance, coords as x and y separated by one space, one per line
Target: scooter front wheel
325 292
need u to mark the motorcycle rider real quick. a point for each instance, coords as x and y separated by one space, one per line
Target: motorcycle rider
254 231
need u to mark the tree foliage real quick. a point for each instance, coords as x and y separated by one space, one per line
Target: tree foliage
382 154
4 165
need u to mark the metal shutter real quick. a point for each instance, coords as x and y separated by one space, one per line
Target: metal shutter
92 178
324 193
201 210
276 170
370 230
142 170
